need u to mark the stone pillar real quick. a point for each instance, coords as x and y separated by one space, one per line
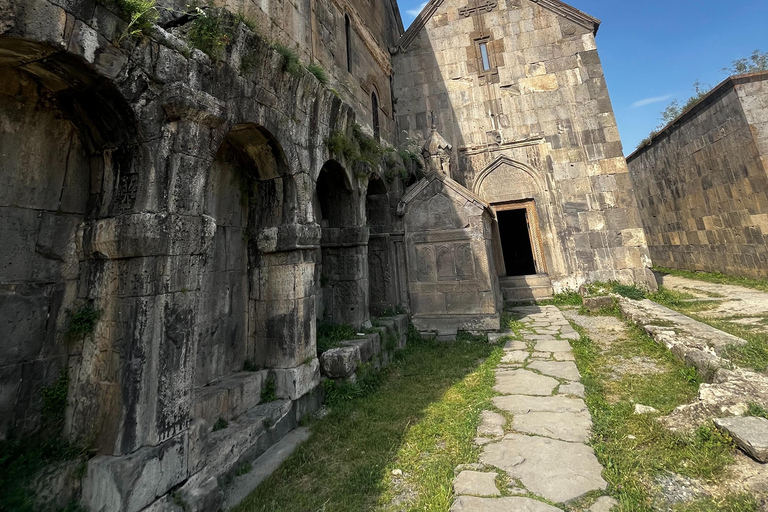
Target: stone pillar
148 281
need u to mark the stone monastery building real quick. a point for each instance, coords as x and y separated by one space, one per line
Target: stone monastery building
182 200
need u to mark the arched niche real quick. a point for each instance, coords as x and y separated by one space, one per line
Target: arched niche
249 190
67 155
508 180
342 266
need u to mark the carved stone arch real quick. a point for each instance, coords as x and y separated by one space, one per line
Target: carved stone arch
509 171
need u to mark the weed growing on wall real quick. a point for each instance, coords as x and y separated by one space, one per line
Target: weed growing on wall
329 335
141 16
268 392
319 73
210 33
291 62
82 322
220 424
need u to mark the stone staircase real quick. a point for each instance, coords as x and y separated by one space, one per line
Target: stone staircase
522 289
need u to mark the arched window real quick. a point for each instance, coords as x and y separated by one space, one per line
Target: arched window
375 113
348 34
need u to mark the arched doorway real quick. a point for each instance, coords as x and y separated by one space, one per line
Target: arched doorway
248 188
515 193
67 146
342 267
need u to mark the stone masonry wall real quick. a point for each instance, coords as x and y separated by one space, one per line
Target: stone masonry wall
537 125
702 183
174 194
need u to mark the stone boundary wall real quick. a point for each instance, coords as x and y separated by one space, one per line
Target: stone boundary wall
702 183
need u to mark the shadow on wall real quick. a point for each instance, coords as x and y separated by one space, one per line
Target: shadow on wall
67 140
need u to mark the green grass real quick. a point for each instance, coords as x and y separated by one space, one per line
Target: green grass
319 73
717 278
568 298
753 355
757 410
731 503
683 302
421 419
635 448
329 335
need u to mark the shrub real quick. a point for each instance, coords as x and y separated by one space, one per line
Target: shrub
83 322
291 62
319 73
210 33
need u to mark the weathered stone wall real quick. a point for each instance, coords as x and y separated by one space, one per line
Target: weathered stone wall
538 124
702 183
317 32
176 195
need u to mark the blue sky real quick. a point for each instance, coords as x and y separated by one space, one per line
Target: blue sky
653 51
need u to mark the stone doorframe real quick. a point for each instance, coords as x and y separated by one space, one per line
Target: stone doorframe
534 233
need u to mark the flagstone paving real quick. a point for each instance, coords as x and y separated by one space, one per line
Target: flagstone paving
543 450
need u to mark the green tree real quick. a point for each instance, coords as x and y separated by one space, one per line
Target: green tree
756 62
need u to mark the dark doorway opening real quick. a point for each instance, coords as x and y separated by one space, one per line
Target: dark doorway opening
516 243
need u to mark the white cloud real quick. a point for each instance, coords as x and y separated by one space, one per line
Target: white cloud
651 101
417 11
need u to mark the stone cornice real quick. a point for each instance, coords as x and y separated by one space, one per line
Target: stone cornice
556 6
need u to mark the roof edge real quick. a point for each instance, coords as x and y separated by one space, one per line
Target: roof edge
560 8
718 91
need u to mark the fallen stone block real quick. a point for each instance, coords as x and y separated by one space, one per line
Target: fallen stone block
293 383
644 409
340 363
750 434
597 303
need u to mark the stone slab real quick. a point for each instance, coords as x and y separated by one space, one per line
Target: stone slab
574 388
555 470
472 504
575 427
516 345
750 434
553 346
476 483
515 356
491 424
518 404
604 504
523 382
560 369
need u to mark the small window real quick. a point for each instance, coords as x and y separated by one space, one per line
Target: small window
484 57
348 34
375 111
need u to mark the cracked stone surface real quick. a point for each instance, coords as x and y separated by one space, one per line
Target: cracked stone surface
547 452
524 382
555 470
575 427
491 424
604 504
472 504
561 369
476 483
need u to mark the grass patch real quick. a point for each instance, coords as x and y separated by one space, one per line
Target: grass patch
635 448
628 291
753 355
291 62
717 278
330 335
568 298
681 301
732 503
319 73
757 410
421 419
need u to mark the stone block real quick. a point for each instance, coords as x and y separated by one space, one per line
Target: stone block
133 482
370 346
293 383
596 303
749 433
340 363
476 483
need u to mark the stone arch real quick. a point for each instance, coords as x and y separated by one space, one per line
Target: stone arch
342 265
494 183
68 141
249 194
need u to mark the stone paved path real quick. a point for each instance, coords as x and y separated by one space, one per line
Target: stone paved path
543 450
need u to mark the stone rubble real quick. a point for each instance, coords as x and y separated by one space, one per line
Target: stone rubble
545 449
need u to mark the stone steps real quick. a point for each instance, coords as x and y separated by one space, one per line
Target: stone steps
519 289
263 467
